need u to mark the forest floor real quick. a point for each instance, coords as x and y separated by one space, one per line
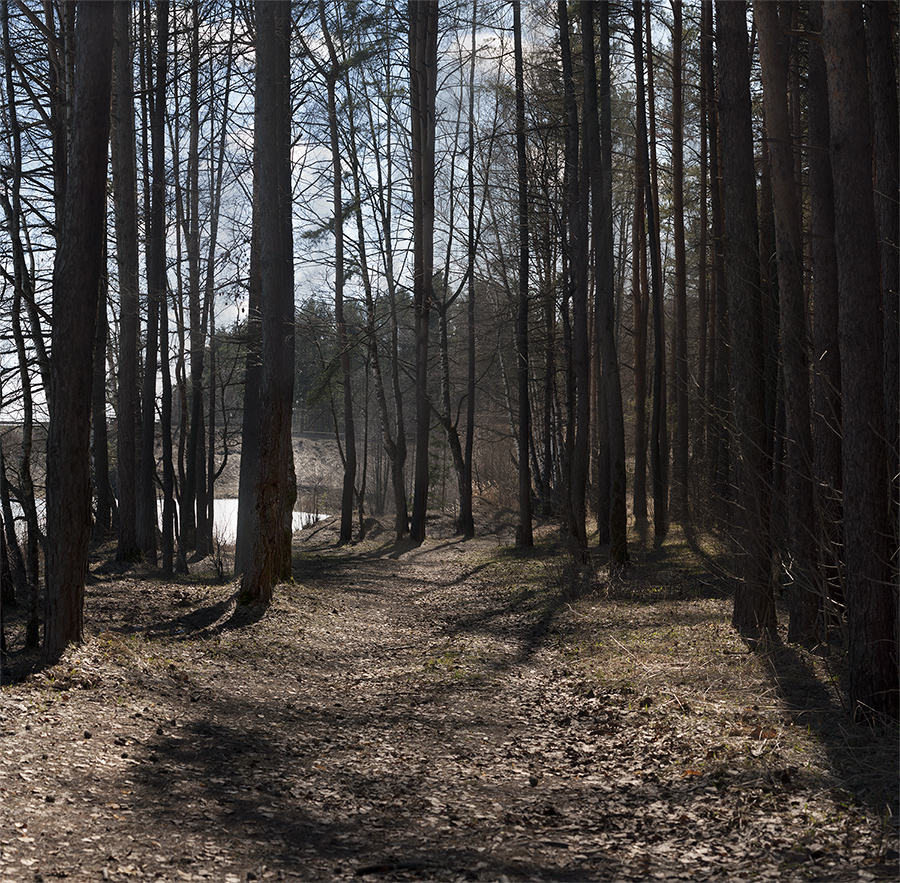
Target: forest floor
445 711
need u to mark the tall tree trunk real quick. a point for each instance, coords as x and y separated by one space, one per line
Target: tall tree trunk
423 22
870 594
466 525
826 352
157 288
577 228
76 288
524 531
680 453
658 446
349 482
128 404
275 481
641 301
103 515
754 606
252 411
883 92
147 518
605 312
805 623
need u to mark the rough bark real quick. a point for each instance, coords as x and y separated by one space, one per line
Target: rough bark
871 601
754 607
805 624
274 489
76 287
423 21
524 530
680 450
125 204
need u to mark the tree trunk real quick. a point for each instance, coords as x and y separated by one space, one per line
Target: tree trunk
76 288
754 607
577 229
524 531
252 410
605 314
125 201
680 453
658 456
826 353
103 514
349 482
423 22
886 141
872 652
274 492
805 623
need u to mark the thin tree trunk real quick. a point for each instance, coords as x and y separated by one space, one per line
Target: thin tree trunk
125 202
657 421
680 454
524 531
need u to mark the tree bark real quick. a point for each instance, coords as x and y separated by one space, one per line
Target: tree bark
125 201
524 531
754 607
274 490
423 22
805 625
611 411
871 611
76 288
680 452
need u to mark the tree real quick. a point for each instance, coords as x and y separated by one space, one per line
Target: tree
754 607
658 453
805 596
275 488
605 313
871 599
680 453
332 76
126 226
524 531
76 287
423 20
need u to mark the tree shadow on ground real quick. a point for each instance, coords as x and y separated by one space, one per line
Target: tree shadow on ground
865 761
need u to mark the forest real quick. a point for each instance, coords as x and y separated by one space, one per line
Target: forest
621 277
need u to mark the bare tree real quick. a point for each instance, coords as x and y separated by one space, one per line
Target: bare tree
754 606
275 488
76 288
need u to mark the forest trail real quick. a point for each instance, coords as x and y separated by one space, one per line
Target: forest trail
450 711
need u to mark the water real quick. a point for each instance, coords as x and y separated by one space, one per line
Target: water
224 519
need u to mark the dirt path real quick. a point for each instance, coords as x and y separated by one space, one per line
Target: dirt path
416 713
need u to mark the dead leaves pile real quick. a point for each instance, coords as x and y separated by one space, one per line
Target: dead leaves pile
406 713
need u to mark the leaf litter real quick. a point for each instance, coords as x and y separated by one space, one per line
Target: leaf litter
446 711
